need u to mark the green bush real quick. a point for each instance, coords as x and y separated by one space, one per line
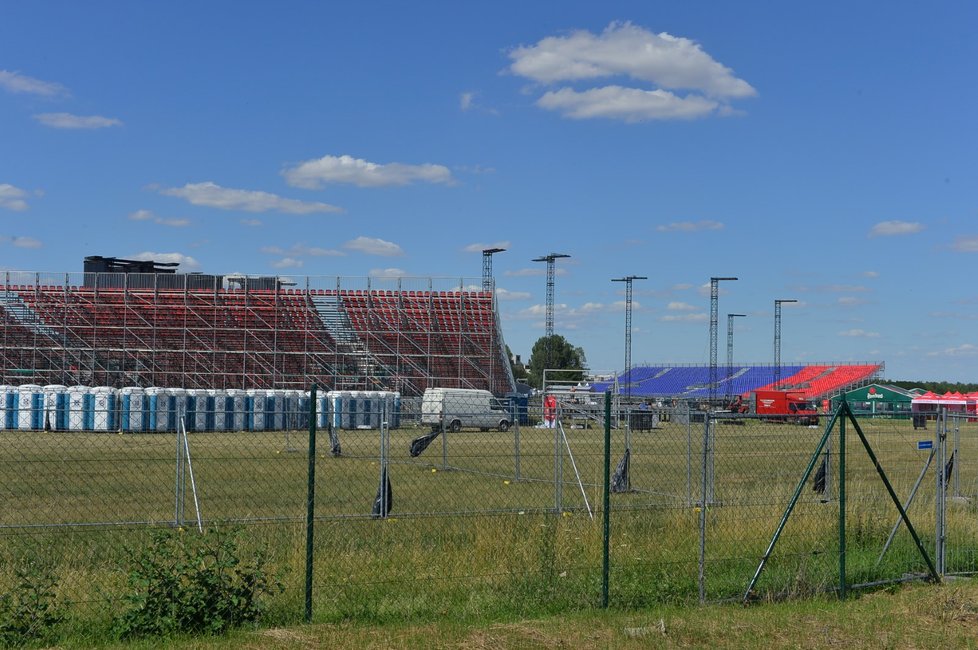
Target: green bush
30 611
194 584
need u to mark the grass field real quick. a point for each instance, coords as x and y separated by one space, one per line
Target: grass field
475 531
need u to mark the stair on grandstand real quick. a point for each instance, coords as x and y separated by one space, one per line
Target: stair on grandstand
338 324
24 315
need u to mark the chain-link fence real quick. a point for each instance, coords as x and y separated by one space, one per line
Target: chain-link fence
458 503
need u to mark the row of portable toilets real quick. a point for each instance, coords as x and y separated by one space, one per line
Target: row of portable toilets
32 407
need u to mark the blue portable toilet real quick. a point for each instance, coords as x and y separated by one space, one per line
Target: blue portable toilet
30 407
133 409
81 409
275 410
235 400
396 403
8 406
151 417
104 407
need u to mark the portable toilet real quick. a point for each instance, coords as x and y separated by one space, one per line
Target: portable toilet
206 409
8 406
30 407
151 419
343 411
322 409
195 415
255 410
55 407
234 410
104 408
176 408
133 408
275 410
81 409
294 405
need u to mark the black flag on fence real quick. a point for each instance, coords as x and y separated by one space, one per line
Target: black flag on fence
421 443
818 484
948 468
385 497
621 482
334 441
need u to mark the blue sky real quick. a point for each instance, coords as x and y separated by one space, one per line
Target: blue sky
823 152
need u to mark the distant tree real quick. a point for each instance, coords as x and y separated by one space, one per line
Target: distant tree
563 356
519 370
939 387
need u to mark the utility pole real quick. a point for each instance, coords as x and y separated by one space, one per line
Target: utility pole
714 318
628 327
549 323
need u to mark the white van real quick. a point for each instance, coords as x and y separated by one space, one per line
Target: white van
454 408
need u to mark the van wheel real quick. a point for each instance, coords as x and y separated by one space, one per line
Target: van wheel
504 426
455 426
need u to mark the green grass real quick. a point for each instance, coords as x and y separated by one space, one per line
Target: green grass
473 535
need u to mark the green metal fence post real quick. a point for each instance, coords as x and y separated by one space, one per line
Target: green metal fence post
842 501
606 535
310 502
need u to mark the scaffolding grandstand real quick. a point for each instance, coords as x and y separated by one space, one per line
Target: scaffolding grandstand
210 331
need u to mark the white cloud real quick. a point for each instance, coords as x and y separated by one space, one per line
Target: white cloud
15 82
505 294
851 301
287 263
859 333
372 246
147 215
12 198
465 100
478 247
214 196
690 226
69 121
185 261
961 244
892 228
963 350
314 174
628 104
625 49
680 306
20 242
684 317
250 222
387 273
871 274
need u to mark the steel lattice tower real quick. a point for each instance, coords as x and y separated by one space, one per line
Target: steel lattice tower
777 340
487 254
628 327
549 323
730 324
714 318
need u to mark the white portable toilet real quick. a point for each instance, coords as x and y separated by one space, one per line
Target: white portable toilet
133 408
104 408
322 408
220 418
80 409
30 407
296 413
342 413
255 410
55 407
8 407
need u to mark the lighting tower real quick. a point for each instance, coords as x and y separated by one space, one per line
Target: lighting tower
628 327
730 323
487 254
777 339
714 316
550 260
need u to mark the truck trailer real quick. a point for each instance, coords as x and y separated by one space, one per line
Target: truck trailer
786 406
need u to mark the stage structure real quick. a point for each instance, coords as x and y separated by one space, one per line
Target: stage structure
244 332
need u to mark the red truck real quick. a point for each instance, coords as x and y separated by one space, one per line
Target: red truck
786 406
